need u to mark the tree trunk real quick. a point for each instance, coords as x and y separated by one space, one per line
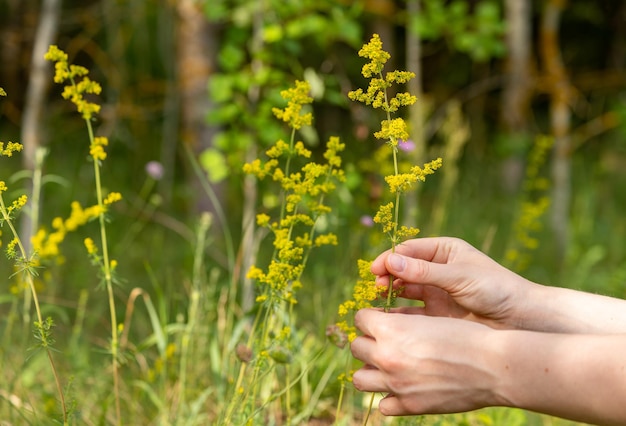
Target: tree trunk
517 87
416 111
31 137
196 50
559 89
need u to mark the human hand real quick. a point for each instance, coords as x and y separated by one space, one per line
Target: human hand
454 279
426 365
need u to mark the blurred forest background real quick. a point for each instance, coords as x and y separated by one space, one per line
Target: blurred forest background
188 87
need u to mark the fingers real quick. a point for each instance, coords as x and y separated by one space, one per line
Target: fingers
418 271
391 406
362 348
366 320
438 250
369 379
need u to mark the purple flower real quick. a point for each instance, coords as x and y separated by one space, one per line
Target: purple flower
154 169
407 145
367 221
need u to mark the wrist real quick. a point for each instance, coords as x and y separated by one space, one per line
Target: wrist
531 307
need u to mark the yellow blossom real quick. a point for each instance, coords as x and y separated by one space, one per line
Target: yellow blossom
10 148
254 273
96 149
326 239
11 251
112 198
296 98
384 217
393 130
377 56
262 219
76 89
17 204
90 246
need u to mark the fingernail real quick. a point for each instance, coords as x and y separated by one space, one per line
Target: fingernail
396 262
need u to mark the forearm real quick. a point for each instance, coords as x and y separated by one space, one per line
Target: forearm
579 377
560 310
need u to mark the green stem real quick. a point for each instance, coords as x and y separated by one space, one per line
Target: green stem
108 282
396 220
369 409
205 223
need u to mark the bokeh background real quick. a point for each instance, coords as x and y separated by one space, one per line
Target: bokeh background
188 88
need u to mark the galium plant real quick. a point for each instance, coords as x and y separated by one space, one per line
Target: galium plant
534 204
295 233
78 85
26 270
393 132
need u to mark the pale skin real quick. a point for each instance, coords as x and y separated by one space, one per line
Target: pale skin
489 337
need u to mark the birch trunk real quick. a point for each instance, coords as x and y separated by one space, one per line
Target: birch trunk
31 137
416 111
560 93
196 52
517 87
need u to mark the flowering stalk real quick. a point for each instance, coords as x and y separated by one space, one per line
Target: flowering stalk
533 206
75 92
294 232
392 131
26 265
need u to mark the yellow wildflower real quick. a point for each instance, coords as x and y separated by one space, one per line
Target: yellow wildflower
326 239
113 197
90 246
262 219
384 217
76 90
377 56
96 149
17 204
393 130
254 273
296 98
10 148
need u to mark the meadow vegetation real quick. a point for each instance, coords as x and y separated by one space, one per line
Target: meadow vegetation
120 311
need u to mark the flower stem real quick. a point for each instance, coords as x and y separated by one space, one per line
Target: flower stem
108 282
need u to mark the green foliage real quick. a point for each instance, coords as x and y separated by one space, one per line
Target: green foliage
478 33
263 45
178 296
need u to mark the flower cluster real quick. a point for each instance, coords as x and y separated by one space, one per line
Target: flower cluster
7 212
532 208
303 194
302 185
402 182
294 231
364 294
46 243
10 148
75 91
376 93
296 98
96 148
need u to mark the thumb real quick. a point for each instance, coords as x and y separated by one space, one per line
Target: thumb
419 271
